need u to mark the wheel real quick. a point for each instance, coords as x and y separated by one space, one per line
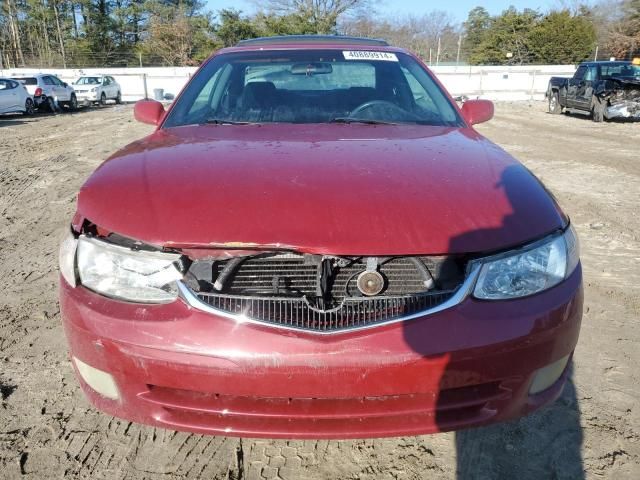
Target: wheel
119 98
73 103
597 110
51 105
554 103
103 99
29 107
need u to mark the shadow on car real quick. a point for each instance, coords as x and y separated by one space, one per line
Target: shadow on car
544 444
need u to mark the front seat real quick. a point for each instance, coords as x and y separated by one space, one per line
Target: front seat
257 101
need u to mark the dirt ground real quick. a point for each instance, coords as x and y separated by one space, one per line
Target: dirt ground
48 430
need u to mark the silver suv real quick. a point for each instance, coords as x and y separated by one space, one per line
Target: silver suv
47 89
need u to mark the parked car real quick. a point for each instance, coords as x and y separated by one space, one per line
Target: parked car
45 88
14 97
97 89
315 242
605 89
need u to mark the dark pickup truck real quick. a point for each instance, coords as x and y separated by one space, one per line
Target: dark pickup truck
605 89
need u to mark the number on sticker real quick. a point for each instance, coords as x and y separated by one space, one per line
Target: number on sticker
365 55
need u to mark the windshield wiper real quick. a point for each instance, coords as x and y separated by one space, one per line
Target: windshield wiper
219 121
360 120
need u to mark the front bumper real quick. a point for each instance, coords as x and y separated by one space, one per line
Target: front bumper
86 97
184 369
624 109
40 100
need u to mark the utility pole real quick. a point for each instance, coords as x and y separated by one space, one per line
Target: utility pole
140 56
438 53
459 47
595 58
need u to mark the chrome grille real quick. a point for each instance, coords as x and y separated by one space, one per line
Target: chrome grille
299 313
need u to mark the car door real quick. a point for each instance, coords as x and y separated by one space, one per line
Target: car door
5 95
62 89
114 87
49 87
584 92
574 85
106 86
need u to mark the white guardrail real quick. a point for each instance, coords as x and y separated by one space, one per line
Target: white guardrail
527 82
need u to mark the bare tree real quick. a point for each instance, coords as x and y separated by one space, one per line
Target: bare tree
324 14
419 33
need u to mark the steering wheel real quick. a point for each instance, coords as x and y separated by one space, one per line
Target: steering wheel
373 104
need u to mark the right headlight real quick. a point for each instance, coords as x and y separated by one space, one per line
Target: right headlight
529 270
132 275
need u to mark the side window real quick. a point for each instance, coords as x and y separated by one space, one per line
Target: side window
106 81
592 74
13 84
111 80
420 95
210 95
4 84
48 80
580 73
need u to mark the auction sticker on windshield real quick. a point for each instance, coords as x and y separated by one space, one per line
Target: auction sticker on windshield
363 55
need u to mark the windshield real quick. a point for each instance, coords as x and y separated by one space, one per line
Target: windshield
88 81
313 86
625 70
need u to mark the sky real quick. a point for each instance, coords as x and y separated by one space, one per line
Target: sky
458 8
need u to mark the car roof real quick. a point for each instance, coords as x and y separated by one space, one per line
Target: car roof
313 39
35 75
607 62
309 42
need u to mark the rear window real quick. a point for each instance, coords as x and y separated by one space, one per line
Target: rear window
621 71
313 86
342 76
27 81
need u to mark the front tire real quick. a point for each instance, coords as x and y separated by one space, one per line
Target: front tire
51 105
73 103
29 107
119 98
554 104
103 100
597 110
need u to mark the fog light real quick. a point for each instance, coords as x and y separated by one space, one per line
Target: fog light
100 381
547 376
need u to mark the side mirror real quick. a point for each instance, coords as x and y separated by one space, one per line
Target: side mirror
64 84
148 111
477 111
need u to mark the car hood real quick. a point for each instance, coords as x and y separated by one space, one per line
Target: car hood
335 189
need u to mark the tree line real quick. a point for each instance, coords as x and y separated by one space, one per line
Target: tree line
86 33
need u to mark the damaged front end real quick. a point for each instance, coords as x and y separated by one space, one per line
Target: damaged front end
285 288
622 99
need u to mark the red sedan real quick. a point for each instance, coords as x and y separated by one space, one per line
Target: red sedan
316 243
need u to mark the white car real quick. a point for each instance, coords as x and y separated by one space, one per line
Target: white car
14 97
46 88
97 88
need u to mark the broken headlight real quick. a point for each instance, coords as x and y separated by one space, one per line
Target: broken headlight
528 270
126 274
